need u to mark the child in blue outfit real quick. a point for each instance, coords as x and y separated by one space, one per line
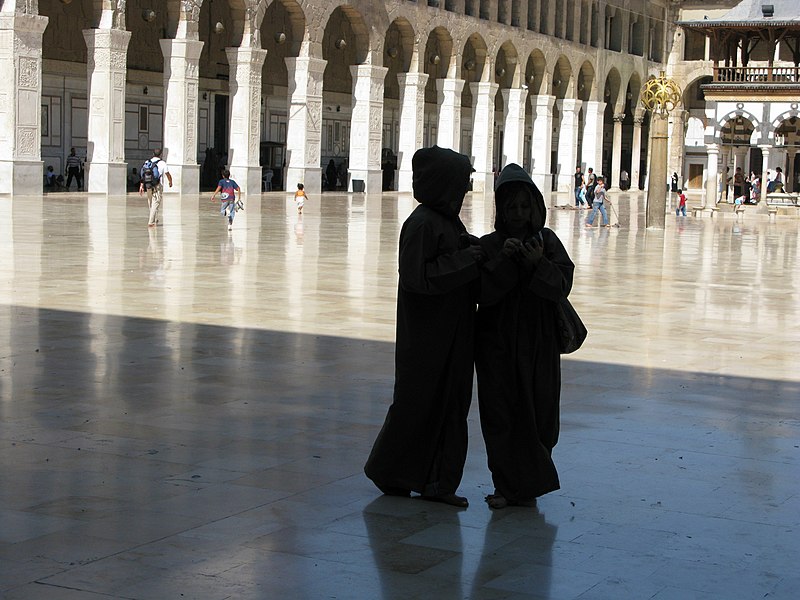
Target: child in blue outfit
227 189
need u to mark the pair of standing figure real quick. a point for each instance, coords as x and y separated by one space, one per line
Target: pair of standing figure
515 276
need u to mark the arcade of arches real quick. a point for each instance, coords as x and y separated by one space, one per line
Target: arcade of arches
290 86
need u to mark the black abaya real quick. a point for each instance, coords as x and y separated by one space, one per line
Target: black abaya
423 443
518 362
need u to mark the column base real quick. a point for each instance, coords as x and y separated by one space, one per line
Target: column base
311 178
185 180
371 180
26 177
248 178
405 181
482 182
106 178
544 181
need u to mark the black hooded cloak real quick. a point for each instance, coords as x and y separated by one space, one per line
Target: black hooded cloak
422 446
517 356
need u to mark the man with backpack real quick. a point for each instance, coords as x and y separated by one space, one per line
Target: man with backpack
150 176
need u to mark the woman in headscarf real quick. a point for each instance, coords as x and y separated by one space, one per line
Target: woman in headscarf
516 343
422 446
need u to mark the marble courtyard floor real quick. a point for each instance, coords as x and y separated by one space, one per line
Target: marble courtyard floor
185 412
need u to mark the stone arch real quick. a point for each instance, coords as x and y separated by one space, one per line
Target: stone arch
586 85
344 43
563 82
282 33
437 57
507 65
536 73
368 23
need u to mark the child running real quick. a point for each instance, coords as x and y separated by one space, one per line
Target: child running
300 197
681 203
228 187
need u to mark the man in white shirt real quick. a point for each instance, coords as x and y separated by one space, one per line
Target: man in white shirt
155 187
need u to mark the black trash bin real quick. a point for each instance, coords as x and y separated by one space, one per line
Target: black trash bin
358 185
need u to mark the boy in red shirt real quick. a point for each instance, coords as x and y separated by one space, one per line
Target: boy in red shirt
681 203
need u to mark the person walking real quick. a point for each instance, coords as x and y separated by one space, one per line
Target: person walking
422 446
580 188
517 355
74 169
227 189
591 183
599 202
150 177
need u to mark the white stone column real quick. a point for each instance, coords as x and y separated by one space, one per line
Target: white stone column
106 69
568 144
765 155
593 135
612 179
21 165
514 136
449 132
181 81
304 127
245 66
541 142
366 126
483 135
412 103
712 176
636 150
677 142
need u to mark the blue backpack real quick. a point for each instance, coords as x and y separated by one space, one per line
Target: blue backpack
149 173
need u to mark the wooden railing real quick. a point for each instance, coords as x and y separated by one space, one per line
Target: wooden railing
757 75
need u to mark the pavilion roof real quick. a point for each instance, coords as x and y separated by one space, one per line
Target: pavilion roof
748 14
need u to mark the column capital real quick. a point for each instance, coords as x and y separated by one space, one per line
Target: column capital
712 148
238 55
450 85
619 117
187 49
543 102
21 22
570 104
484 87
412 79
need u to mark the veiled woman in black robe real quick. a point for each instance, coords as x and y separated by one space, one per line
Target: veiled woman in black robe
516 348
422 446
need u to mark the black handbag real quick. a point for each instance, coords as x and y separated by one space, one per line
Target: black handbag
571 329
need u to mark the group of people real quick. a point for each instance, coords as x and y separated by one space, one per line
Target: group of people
590 190
486 303
334 177
747 188
54 182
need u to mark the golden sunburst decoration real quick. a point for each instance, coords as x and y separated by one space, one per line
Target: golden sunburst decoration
661 94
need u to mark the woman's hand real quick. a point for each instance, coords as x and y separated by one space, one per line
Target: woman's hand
511 247
530 254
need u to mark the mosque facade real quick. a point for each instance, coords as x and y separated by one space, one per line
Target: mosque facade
287 87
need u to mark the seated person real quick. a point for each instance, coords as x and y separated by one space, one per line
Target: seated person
133 180
49 179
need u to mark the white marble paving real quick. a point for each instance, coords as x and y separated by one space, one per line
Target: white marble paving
185 412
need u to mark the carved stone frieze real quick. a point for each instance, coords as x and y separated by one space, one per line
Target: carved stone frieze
27 138
28 74
314 112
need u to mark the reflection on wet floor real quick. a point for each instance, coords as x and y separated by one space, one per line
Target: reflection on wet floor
185 411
